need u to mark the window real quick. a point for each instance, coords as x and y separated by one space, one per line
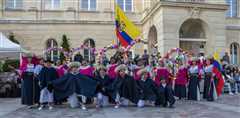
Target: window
13 4
89 5
52 4
192 28
88 52
234 52
232 10
126 5
52 55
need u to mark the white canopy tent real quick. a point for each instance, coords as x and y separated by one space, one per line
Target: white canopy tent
8 49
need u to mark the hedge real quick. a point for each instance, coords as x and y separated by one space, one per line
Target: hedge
13 63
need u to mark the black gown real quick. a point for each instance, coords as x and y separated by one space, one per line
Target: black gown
30 89
208 92
103 84
148 90
71 83
46 76
193 87
126 87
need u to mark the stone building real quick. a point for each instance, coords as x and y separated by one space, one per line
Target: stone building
199 26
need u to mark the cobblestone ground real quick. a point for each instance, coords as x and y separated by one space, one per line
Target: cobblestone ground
225 107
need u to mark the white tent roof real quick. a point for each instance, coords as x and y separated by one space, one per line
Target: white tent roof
8 49
8 46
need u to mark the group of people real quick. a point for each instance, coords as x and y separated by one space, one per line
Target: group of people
120 82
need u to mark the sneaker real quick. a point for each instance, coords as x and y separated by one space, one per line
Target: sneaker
40 108
230 93
50 107
83 108
116 106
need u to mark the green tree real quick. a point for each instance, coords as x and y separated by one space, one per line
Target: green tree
11 37
66 47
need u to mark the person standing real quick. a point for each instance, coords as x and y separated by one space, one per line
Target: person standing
193 86
226 58
111 69
37 70
209 92
87 69
181 81
28 82
162 72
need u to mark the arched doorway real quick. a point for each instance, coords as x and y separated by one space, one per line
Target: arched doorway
234 53
193 36
88 53
54 54
152 41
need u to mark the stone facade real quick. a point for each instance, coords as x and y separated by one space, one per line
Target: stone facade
159 20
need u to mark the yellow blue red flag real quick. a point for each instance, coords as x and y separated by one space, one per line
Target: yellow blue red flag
126 31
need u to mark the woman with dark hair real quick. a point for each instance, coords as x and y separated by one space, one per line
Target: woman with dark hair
193 86
30 87
111 69
102 87
181 81
209 92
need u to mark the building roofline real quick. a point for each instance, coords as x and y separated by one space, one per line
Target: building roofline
160 4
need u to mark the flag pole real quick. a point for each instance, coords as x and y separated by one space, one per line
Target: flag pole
89 50
114 11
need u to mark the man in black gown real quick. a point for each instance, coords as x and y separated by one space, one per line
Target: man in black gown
74 84
46 76
124 88
148 89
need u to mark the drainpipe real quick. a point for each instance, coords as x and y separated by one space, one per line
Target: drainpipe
78 9
41 8
3 5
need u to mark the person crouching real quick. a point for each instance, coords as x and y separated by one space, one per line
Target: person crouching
46 75
103 82
73 99
148 89
168 93
124 87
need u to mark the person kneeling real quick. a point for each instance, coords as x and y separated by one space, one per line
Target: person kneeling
47 74
148 89
124 88
73 85
103 82
168 94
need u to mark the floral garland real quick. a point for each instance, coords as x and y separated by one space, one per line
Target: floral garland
99 52
72 51
181 56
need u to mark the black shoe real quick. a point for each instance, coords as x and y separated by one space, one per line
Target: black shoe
171 106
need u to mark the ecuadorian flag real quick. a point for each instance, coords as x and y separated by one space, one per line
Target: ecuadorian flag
126 31
217 70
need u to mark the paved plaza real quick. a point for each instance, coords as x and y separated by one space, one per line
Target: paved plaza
225 107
